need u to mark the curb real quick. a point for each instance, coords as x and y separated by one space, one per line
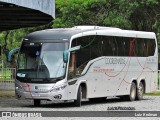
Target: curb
157 91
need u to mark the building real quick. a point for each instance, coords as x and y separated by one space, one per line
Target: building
25 13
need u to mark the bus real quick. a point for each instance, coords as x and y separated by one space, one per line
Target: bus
86 62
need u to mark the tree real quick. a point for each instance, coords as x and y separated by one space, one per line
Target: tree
142 15
12 39
127 14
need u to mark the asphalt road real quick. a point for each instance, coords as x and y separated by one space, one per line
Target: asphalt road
149 103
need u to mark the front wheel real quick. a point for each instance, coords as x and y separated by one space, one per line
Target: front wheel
140 91
79 97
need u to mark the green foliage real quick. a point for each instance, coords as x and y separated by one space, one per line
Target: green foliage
127 14
72 12
12 39
143 15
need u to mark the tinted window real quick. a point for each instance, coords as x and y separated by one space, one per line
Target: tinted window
96 46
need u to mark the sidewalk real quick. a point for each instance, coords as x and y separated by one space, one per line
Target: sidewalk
157 91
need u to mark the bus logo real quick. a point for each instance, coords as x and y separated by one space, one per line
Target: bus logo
36 87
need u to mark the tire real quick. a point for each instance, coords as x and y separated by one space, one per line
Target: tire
132 95
140 91
37 102
79 97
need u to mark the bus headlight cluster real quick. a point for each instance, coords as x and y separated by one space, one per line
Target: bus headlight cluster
19 87
58 88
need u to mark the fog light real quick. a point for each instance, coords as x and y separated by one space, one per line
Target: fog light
58 96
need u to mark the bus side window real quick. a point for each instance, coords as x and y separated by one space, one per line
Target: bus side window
107 47
151 47
142 48
71 69
82 56
121 46
136 51
112 50
113 45
145 48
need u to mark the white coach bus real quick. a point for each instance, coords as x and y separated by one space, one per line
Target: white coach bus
86 62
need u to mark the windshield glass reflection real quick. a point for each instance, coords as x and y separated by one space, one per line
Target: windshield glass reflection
42 60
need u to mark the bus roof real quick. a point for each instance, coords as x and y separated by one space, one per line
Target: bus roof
79 31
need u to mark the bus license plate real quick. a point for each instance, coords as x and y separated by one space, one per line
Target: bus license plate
35 94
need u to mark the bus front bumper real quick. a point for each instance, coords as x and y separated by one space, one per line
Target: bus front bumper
59 95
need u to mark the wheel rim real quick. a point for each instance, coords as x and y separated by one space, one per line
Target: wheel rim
140 90
133 92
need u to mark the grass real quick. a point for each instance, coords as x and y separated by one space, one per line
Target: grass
6 75
159 79
152 94
156 93
7 79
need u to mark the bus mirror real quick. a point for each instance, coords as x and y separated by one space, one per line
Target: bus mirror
10 53
74 48
65 56
66 52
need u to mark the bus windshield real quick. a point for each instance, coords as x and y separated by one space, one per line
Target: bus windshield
41 60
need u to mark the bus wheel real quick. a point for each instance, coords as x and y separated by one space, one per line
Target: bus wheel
79 97
140 91
132 95
37 102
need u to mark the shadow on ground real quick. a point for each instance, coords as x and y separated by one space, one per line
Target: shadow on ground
86 103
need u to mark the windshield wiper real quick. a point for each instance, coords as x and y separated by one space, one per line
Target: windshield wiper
56 79
60 78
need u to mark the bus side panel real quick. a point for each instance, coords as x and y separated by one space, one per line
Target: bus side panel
105 76
108 79
151 74
72 91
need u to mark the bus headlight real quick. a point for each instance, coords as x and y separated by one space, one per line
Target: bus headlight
19 87
58 88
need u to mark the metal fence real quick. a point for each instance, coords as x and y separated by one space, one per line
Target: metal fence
7 79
